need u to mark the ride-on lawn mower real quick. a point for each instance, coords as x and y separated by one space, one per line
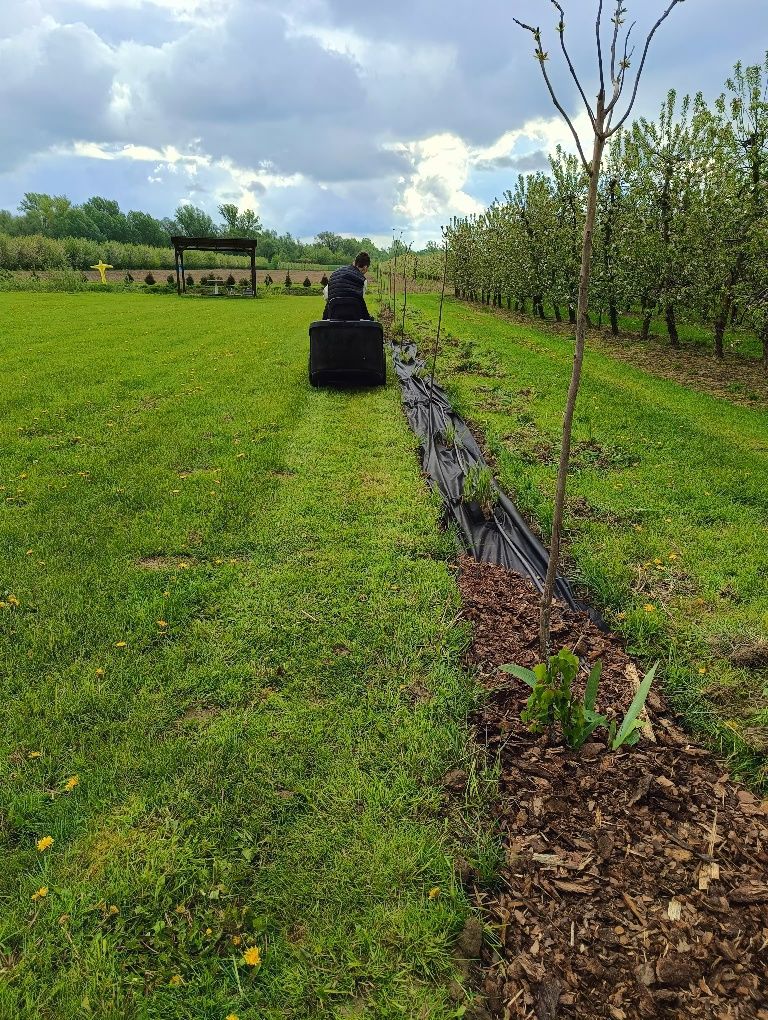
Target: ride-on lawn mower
346 352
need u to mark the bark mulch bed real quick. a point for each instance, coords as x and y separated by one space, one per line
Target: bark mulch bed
635 883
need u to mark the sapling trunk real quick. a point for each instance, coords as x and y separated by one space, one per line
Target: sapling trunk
573 389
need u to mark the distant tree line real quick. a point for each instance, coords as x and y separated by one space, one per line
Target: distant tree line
51 232
682 227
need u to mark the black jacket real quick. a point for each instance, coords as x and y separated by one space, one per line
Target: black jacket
346 295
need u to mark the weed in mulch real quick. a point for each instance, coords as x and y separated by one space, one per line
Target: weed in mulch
634 884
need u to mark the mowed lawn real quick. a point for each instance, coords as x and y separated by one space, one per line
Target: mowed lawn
667 518
230 679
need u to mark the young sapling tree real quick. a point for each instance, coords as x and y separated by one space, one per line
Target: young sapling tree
605 118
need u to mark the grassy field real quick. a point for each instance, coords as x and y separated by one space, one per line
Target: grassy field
230 680
668 506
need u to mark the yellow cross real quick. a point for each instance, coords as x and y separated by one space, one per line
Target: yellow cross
102 267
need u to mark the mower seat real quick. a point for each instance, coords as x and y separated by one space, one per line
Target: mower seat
346 352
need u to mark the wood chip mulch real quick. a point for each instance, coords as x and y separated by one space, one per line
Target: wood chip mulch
635 883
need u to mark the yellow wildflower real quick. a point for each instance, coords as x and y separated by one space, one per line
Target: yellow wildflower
44 843
35 754
673 556
176 980
236 940
231 1016
209 931
162 623
621 616
99 672
29 552
71 783
113 910
12 600
121 644
649 608
434 893
702 671
41 892
252 956
657 561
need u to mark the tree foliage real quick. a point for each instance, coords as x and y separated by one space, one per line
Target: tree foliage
682 222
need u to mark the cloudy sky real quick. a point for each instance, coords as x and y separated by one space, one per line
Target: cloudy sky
348 115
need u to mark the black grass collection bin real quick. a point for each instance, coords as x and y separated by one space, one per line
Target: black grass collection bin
346 353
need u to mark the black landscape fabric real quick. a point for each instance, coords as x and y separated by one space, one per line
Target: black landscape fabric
504 537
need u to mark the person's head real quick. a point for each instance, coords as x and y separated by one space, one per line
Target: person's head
363 262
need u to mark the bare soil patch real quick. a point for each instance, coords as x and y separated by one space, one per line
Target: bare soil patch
165 562
635 883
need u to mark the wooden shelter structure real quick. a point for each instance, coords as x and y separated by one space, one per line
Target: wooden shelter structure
222 245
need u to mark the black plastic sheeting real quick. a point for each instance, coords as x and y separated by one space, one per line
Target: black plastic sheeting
503 538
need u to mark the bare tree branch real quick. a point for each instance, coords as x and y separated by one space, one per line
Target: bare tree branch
561 31
598 26
616 26
541 56
619 84
650 36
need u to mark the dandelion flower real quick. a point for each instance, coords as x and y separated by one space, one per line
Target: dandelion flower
252 956
434 893
231 1016
35 754
113 910
236 940
649 608
176 980
702 671
12 600
71 783
162 623
44 843
673 556
121 644
40 894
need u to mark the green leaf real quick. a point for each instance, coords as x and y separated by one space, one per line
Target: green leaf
521 673
590 695
629 726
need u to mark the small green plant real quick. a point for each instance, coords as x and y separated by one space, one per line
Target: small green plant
629 731
553 700
478 487
451 436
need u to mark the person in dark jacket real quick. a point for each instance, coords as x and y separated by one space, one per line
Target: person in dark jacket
346 291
